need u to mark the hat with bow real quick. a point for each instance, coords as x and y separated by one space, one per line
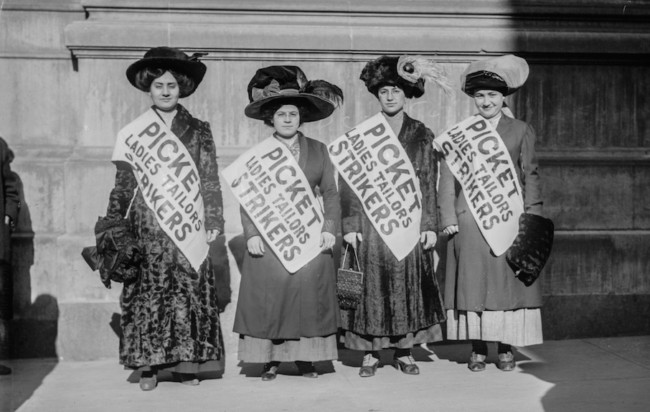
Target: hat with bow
279 84
169 58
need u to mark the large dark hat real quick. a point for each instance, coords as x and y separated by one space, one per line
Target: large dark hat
289 84
409 73
504 74
383 72
531 248
169 58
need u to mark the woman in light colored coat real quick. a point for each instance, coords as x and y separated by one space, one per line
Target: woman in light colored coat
484 299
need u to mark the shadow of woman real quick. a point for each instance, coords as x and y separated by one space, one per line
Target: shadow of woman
33 325
35 338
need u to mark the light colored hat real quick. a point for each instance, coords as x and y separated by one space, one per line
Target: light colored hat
505 74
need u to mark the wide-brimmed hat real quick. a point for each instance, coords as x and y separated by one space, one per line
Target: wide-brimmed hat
277 84
504 74
169 58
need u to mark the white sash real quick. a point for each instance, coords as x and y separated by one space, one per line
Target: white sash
169 182
374 164
479 160
273 190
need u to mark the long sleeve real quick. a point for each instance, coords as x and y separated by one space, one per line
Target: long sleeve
210 185
351 209
331 200
447 196
122 192
530 175
427 169
247 224
10 183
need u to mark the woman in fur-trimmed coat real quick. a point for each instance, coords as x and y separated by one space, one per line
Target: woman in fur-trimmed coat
401 305
170 318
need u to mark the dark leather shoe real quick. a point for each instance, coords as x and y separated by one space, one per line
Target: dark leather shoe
476 362
186 378
307 369
148 381
5 370
270 371
408 367
506 362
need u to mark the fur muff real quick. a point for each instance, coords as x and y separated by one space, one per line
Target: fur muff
531 248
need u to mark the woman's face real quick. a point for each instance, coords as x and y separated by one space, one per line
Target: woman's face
391 99
488 102
164 92
286 121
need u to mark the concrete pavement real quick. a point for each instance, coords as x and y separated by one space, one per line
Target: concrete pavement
605 374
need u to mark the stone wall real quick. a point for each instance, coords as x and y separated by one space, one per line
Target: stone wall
65 96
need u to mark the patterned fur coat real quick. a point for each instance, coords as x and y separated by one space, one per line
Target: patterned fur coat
170 314
399 297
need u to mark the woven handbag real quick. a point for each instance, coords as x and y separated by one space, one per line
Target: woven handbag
349 283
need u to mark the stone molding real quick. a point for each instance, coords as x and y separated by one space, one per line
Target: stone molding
354 31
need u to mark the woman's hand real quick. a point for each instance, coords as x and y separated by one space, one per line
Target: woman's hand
212 234
352 238
428 239
450 230
255 246
327 240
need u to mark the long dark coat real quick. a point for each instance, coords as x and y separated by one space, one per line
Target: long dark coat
399 297
9 200
276 304
170 314
476 280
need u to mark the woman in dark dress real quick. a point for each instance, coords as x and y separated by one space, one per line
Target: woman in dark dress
283 316
170 318
401 305
484 299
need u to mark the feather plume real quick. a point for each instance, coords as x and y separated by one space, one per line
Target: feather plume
324 89
413 68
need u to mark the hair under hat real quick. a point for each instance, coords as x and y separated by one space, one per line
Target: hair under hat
504 74
383 72
289 84
169 58
409 73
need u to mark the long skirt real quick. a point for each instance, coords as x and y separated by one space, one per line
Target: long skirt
520 327
170 317
287 316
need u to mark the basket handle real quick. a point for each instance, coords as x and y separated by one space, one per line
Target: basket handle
345 257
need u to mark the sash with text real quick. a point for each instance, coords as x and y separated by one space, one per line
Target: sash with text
374 164
480 162
272 188
169 182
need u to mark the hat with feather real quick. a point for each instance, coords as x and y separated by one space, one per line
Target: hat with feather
279 84
504 74
169 58
409 73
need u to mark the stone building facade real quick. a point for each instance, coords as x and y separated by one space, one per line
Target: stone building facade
65 96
